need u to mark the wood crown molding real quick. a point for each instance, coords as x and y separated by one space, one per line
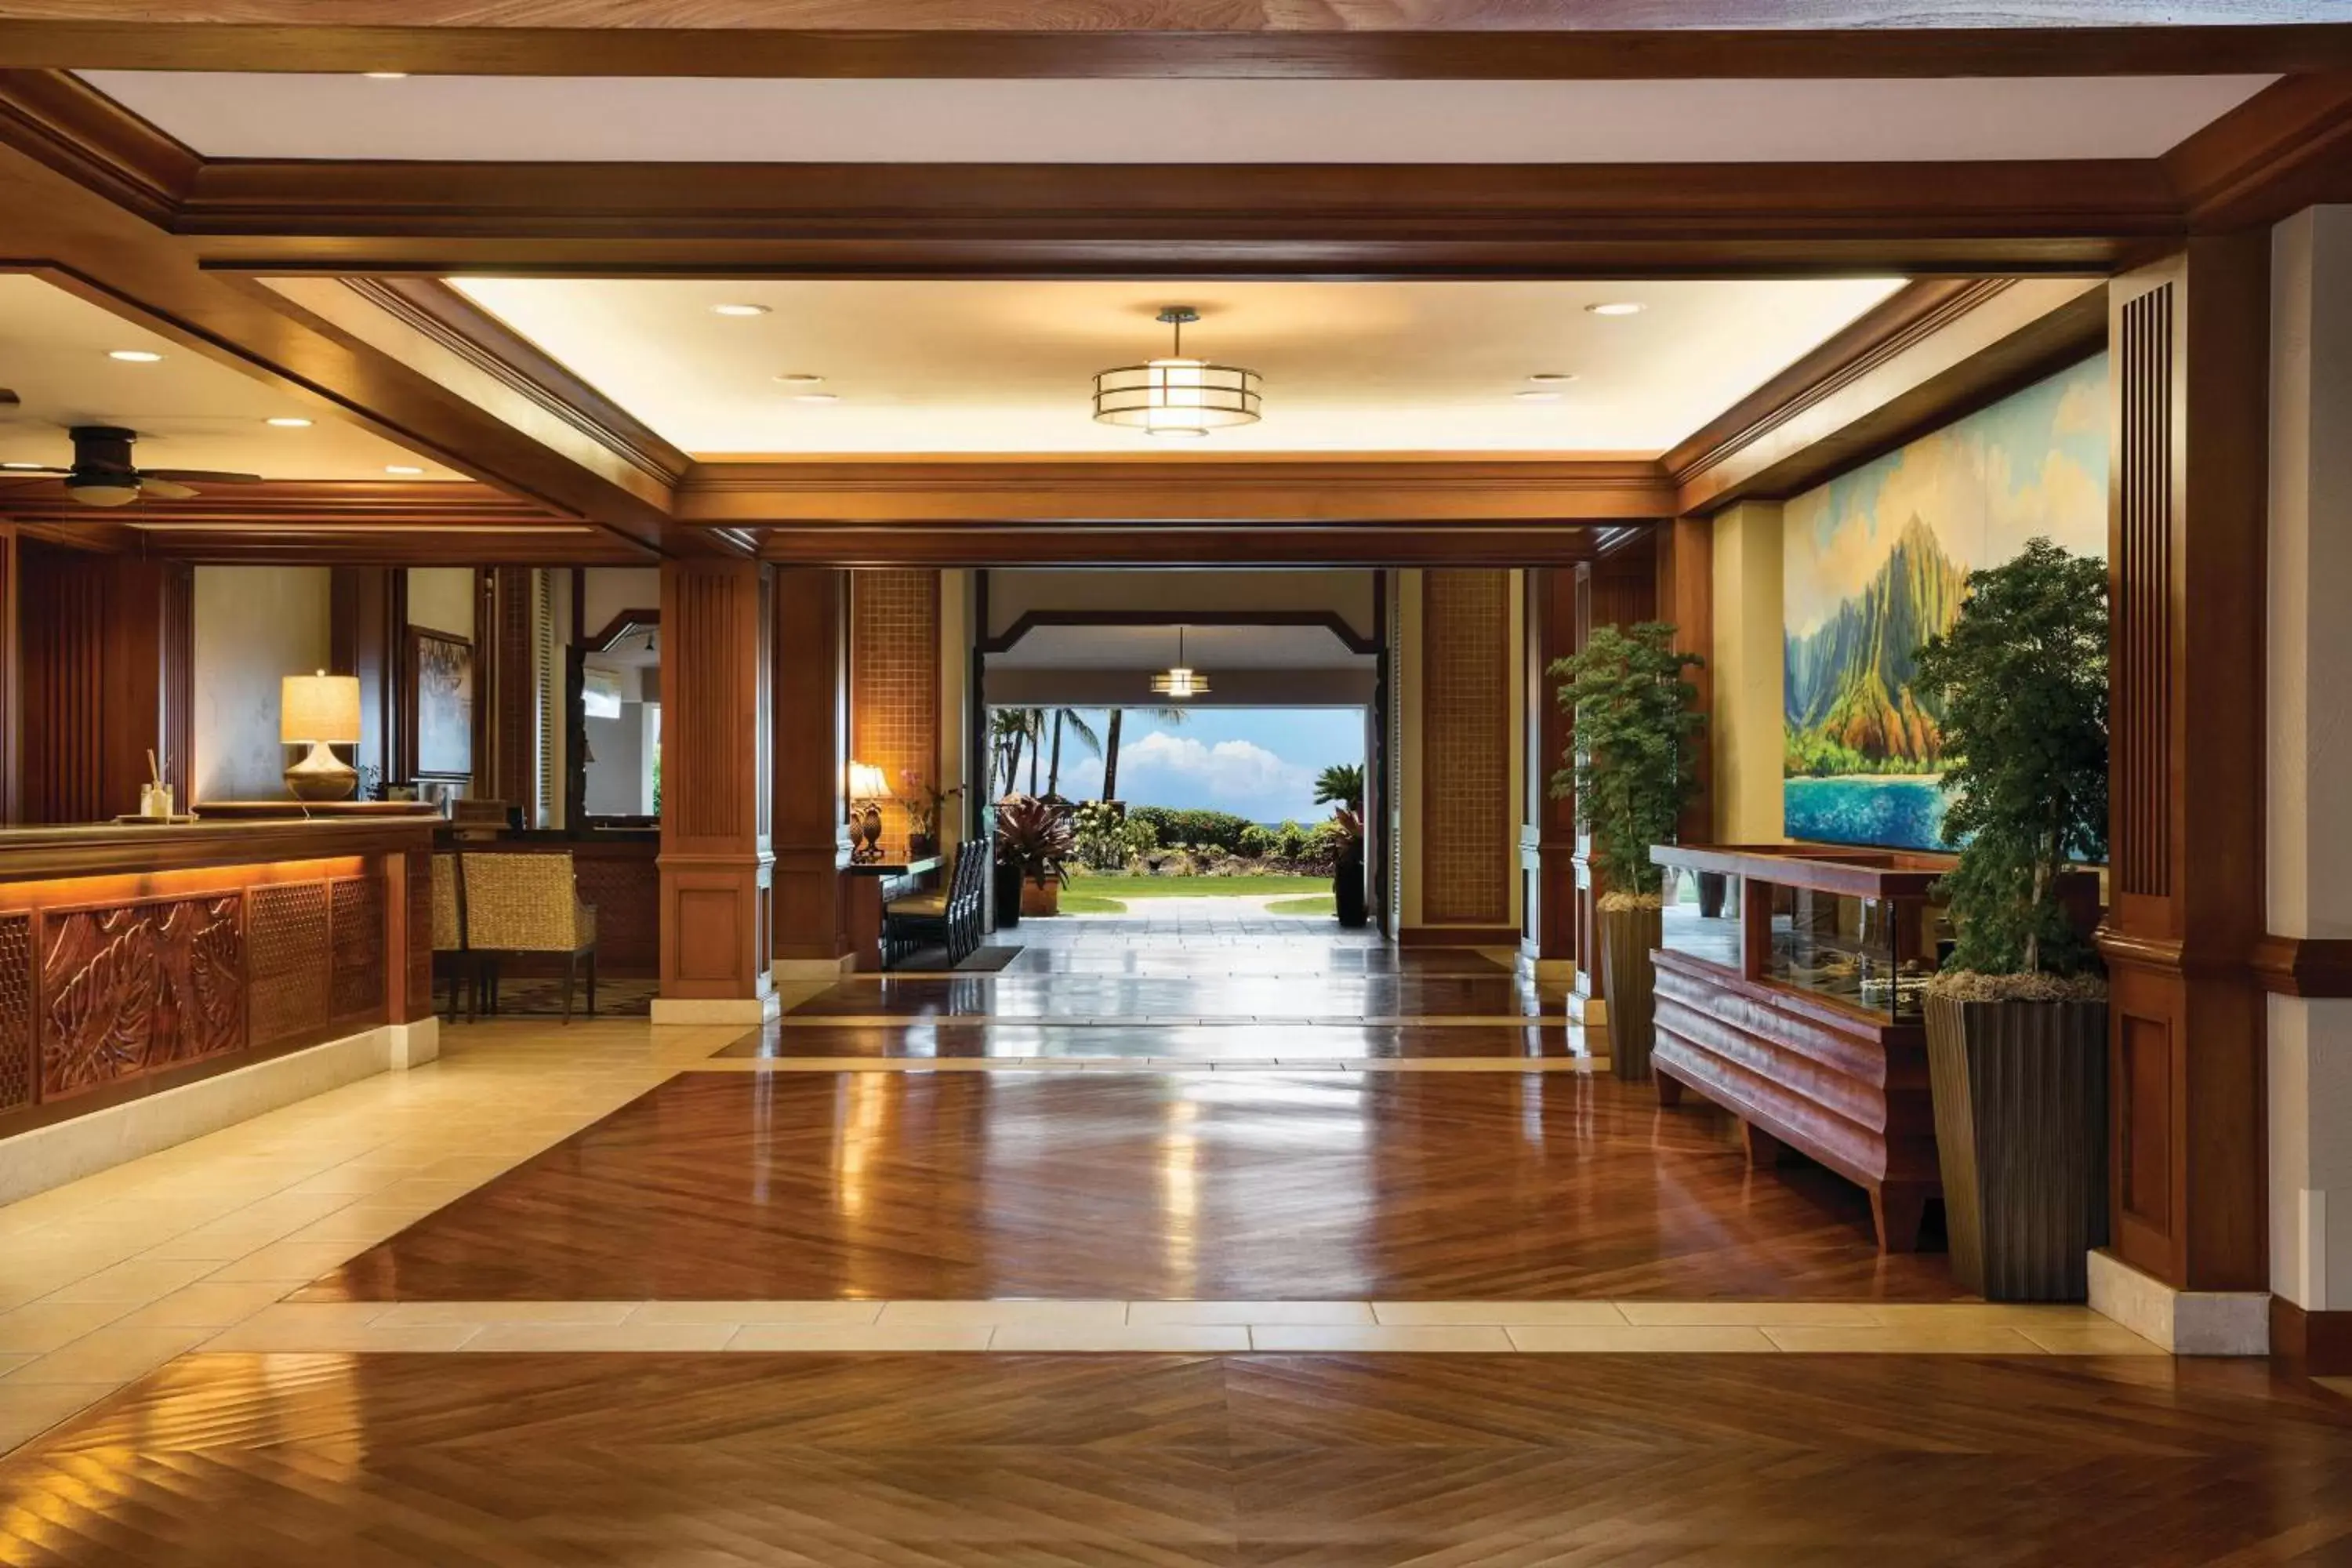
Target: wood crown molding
2286 148
1181 544
2304 966
1330 621
69 125
440 312
1596 39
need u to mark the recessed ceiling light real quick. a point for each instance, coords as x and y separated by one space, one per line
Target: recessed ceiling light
134 356
738 310
1552 377
1537 396
401 468
799 378
1617 307
288 422
385 76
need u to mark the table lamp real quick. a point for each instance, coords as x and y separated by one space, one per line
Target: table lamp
867 790
320 711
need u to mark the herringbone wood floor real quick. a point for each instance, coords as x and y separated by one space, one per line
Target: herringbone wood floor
1145 1186
525 1461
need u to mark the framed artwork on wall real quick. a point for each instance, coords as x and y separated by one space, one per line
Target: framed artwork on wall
440 710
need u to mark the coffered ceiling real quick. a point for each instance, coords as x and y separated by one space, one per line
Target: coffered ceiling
1007 366
702 120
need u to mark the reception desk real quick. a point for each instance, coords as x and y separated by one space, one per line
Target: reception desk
141 958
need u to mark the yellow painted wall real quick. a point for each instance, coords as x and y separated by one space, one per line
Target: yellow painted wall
1746 661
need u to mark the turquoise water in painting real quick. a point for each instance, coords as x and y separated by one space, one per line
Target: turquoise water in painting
1905 812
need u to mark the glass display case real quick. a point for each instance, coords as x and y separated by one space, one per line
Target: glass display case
1864 929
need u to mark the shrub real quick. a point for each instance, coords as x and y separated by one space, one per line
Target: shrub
1218 829
1290 840
1100 836
1256 842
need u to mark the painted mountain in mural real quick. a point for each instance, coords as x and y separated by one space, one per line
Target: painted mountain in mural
1846 689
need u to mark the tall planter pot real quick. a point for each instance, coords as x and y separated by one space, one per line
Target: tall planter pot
1008 895
1041 896
2020 1092
1630 983
1348 893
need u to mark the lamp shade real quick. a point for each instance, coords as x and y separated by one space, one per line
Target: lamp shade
867 783
318 706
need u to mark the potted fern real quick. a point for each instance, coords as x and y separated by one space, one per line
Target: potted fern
2017 1019
1631 768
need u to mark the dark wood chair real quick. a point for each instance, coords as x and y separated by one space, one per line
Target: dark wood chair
951 918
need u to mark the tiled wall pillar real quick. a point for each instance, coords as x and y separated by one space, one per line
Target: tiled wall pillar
894 688
2307 954
1469 817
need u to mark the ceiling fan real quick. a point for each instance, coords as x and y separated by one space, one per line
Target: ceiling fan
103 475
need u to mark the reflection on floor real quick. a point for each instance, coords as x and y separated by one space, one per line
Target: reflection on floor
434 1318
1198 1184
1189 1461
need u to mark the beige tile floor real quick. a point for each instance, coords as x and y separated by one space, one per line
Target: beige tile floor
1533 1326
193 1249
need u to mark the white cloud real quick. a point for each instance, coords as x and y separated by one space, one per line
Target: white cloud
1238 774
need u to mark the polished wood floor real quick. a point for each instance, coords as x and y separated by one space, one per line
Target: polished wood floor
1210 1185
975 1038
1240 997
1238 1461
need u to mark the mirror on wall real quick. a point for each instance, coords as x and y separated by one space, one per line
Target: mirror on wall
615 690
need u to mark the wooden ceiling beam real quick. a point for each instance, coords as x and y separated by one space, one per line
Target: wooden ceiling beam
1593 39
1078 492
1189 544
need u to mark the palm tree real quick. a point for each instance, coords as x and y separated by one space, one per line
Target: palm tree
1010 732
1082 731
1169 716
1341 784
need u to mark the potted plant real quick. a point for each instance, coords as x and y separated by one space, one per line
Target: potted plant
1348 894
1034 838
2017 1019
924 801
1632 769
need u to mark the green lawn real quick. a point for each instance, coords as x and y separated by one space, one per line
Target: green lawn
1100 895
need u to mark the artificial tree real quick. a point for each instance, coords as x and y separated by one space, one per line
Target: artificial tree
2017 1026
1631 768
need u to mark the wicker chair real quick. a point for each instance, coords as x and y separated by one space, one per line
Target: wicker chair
949 919
451 961
518 903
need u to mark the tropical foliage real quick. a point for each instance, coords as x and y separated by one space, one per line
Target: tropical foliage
1341 784
1631 768
1192 825
1105 839
2022 678
1035 834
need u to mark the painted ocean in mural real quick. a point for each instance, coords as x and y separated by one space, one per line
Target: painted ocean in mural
1877 561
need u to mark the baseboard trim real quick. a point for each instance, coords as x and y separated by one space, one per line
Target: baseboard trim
813 968
694 1010
43 1157
1458 936
2186 1322
2317 1344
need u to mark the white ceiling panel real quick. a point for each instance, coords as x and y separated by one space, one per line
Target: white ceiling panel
1007 366
730 120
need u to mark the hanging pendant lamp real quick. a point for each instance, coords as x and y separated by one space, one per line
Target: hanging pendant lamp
1177 397
1180 680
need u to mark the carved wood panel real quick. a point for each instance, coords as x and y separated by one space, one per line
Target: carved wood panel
132 988
292 979
16 1011
356 905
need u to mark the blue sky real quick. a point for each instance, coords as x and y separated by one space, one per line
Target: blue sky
1258 762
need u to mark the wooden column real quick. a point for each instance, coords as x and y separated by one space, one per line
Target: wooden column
2189 340
363 628
1621 590
717 862
1548 831
107 646
812 720
12 688
1685 597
